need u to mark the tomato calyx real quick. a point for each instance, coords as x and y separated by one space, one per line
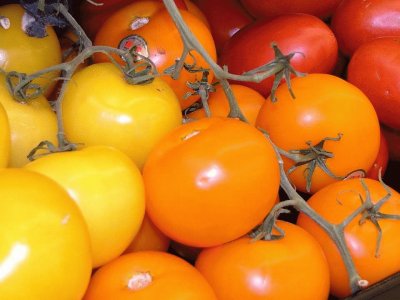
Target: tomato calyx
21 87
314 156
46 147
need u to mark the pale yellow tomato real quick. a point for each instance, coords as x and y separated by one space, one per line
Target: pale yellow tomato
45 248
25 54
5 138
30 123
108 188
101 108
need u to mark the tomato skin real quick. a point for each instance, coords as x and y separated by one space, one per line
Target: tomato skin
108 188
393 140
119 112
246 269
273 8
381 161
25 54
5 138
45 244
311 38
357 21
324 107
375 74
336 202
196 205
170 278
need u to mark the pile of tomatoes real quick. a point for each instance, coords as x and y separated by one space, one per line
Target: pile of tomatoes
118 190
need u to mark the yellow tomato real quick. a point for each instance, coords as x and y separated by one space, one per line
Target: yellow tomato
5 138
101 108
108 188
44 249
22 53
30 123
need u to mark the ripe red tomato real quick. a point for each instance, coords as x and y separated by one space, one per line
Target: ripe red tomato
273 8
336 202
374 68
393 140
357 21
293 267
311 38
206 174
381 160
324 107
146 275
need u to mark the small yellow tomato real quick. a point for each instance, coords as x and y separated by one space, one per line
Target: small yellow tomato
30 123
101 108
5 138
108 188
25 54
45 248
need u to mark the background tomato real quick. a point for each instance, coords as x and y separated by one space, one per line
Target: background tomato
381 160
148 275
45 249
109 190
311 39
293 267
206 174
324 107
357 21
335 203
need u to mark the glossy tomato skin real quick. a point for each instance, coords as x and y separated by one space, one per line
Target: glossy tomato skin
45 249
207 173
5 138
159 40
271 9
373 68
311 39
148 275
324 106
25 54
357 21
226 17
101 108
336 202
293 267
108 188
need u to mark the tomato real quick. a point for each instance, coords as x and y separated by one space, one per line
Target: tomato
393 140
109 190
357 21
30 123
45 248
373 68
249 101
335 203
22 53
206 174
293 267
148 275
149 237
273 8
101 108
324 107
225 17
381 160
158 39
311 39
5 138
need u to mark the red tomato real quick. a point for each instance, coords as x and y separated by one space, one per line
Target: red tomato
374 68
148 275
311 38
335 203
225 17
381 160
393 140
273 8
357 21
206 174
293 267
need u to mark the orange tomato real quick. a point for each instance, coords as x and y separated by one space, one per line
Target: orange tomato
148 26
249 101
337 201
205 176
293 267
148 275
325 106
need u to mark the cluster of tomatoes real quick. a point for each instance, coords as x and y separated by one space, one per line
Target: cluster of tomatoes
155 198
